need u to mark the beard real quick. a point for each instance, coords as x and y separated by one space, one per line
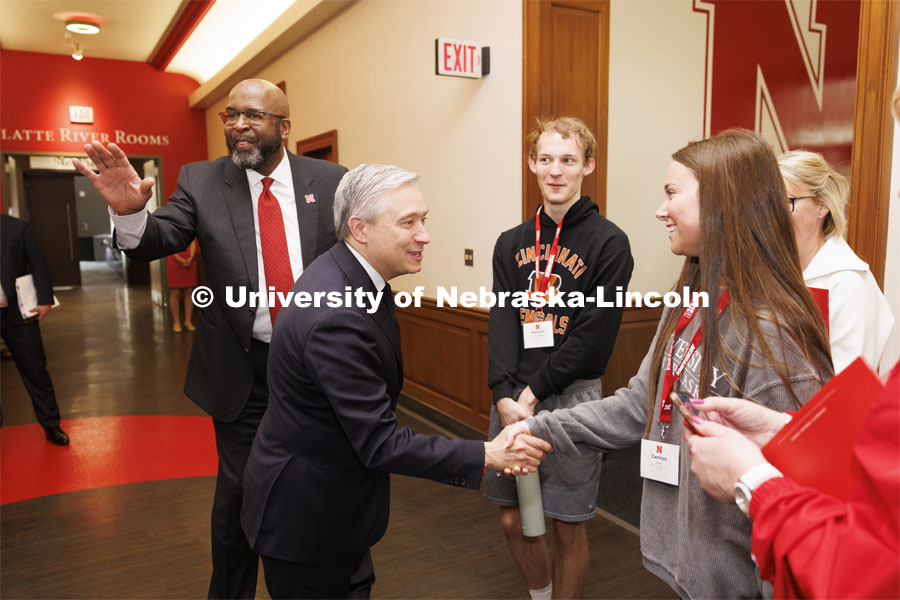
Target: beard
264 149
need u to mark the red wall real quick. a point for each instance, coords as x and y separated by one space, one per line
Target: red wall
754 35
130 97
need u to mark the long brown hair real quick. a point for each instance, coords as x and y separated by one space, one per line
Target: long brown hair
746 245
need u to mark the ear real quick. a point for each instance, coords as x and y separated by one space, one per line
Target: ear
285 129
358 229
822 210
532 164
589 167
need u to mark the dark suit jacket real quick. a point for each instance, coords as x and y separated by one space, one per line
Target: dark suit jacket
317 484
20 255
213 204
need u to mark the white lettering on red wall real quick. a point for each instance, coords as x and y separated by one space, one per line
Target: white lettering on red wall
65 134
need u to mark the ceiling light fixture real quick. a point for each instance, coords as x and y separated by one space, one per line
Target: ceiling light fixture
82 26
77 54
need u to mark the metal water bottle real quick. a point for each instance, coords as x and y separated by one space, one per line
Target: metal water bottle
531 507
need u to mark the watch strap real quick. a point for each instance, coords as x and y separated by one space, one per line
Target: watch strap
757 475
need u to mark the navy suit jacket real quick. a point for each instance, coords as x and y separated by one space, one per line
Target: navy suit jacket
213 204
20 255
317 484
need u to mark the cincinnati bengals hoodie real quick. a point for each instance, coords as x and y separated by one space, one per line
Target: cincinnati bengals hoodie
592 253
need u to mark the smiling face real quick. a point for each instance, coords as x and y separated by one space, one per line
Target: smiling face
560 168
394 243
680 210
257 147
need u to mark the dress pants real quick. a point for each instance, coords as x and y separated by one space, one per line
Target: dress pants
235 564
286 579
24 342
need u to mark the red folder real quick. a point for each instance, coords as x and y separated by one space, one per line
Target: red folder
816 447
820 295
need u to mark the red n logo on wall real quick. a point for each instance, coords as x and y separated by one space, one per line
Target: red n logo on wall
659 448
786 69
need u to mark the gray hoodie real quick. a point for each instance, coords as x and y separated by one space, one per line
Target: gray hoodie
698 546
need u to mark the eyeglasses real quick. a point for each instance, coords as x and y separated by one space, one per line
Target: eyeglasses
253 117
795 198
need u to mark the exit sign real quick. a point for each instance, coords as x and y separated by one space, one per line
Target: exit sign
81 114
461 59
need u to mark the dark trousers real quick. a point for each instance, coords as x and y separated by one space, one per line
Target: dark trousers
235 564
348 578
24 342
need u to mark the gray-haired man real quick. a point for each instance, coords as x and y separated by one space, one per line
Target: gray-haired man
317 487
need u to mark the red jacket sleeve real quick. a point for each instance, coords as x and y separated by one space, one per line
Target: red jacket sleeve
812 545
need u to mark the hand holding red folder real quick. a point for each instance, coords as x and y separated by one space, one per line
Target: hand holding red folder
816 447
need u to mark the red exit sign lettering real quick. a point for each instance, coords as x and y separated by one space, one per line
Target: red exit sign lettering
459 58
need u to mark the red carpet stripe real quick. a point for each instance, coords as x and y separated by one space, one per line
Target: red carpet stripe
104 451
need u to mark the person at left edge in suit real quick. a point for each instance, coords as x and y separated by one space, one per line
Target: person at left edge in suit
260 215
22 255
317 483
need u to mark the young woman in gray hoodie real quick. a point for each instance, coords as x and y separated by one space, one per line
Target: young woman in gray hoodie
763 338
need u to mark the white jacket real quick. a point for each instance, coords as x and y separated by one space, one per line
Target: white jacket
859 318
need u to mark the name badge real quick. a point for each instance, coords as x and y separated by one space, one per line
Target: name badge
659 461
538 334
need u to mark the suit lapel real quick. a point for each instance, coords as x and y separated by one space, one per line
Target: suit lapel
360 279
306 197
240 208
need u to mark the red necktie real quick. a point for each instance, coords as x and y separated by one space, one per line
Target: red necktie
276 259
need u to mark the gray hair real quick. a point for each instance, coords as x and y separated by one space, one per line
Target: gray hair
360 193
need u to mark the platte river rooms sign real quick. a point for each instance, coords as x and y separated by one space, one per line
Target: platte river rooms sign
65 134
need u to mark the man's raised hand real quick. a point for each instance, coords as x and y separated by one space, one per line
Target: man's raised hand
116 180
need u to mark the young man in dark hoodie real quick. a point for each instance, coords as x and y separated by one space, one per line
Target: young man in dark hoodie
553 357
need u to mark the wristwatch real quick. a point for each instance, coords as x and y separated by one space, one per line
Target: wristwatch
749 481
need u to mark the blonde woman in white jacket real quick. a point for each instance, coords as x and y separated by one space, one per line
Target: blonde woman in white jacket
859 319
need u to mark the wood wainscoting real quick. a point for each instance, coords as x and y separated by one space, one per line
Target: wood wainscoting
445 355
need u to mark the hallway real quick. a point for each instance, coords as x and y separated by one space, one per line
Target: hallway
140 465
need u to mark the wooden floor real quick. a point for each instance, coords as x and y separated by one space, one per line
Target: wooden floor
111 352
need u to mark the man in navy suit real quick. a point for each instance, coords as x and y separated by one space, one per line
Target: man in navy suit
317 483
223 203
20 255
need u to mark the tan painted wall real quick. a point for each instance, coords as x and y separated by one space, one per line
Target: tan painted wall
369 73
373 73
656 50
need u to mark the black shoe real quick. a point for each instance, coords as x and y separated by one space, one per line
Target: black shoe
57 436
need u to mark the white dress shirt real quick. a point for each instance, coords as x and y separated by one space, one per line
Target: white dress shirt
376 277
130 228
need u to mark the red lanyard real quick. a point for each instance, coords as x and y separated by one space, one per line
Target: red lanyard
665 405
540 282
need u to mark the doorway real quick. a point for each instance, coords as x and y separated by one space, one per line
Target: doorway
50 201
69 217
566 74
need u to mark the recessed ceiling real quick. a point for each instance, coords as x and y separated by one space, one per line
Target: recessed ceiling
213 41
228 27
130 29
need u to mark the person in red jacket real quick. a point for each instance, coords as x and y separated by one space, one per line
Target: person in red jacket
807 543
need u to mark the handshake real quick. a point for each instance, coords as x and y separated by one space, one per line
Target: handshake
515 451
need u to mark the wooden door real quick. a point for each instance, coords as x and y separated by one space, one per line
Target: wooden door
50 198
323 146
566 74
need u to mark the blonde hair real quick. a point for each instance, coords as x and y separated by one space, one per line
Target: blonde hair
801 168
564 126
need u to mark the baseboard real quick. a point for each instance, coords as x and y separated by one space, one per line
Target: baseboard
447 426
